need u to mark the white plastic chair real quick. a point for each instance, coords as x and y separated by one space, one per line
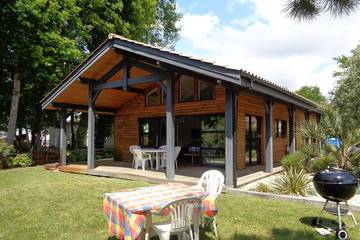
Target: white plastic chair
164 156
182 215
131 148
141 158
214 182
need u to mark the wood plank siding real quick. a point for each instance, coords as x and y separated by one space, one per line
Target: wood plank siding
126 131
281 144
253 105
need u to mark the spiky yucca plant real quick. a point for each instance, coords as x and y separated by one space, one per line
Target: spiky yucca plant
293 181
331 125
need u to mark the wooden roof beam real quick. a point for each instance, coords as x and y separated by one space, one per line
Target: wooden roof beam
132 81
81 107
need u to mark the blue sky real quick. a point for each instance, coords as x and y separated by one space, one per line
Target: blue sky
257 36
226 10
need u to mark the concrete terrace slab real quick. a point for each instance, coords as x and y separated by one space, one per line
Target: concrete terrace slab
184 174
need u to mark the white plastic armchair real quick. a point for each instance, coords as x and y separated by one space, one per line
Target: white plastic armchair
212 181
131 148
182 215
141 158
164 156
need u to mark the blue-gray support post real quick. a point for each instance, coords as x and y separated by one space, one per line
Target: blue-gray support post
63 138
126 74
170 128
292 125
230 159
269 136
91 128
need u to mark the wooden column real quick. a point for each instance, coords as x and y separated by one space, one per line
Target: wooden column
63 138
230 159
91 129
292 130
269 136
170 128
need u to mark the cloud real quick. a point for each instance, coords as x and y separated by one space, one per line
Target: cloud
272 45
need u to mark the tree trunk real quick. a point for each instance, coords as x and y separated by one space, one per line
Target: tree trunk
36 129
11 131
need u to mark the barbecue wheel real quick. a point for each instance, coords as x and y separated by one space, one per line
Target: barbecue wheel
342 234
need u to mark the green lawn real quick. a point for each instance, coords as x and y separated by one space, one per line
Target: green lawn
36 204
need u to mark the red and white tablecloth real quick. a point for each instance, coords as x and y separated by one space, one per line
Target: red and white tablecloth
126 210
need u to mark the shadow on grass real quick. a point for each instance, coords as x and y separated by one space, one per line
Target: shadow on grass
285 233
207 233
323 221
281 233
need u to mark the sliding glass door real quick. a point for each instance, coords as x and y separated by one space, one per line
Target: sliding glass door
253 139
213 139
152 132
203 135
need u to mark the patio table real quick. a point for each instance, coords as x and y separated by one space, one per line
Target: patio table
157 154
127 212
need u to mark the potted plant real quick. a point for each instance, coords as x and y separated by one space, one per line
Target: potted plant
39 156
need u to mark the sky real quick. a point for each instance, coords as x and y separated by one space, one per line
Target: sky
257 36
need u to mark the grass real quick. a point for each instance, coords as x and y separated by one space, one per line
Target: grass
36 204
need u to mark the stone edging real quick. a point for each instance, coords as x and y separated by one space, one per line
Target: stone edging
283 197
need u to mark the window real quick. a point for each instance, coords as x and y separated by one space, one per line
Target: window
206 90
213 139
152 132
152 98
187 87
281 128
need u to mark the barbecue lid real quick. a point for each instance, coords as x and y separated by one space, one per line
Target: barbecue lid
335 176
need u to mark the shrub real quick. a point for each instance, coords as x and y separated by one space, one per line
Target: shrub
322 163
22 146
293 181
77 155
6 149
294 159
20 160
262 187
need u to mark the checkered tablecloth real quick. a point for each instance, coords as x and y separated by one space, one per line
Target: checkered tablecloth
126 211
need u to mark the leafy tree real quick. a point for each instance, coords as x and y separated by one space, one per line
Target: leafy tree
346 94
312 93
310 9
42 40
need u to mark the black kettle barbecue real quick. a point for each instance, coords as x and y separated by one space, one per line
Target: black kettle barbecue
339 186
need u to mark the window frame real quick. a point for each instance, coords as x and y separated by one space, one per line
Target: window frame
194 97
199 90
155 90
281 128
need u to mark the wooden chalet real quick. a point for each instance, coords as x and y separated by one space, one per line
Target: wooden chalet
230 117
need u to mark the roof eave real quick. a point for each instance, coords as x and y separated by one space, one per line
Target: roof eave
76 73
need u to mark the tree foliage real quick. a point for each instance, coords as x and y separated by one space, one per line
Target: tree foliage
312 93
43 40
346 94
310 9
